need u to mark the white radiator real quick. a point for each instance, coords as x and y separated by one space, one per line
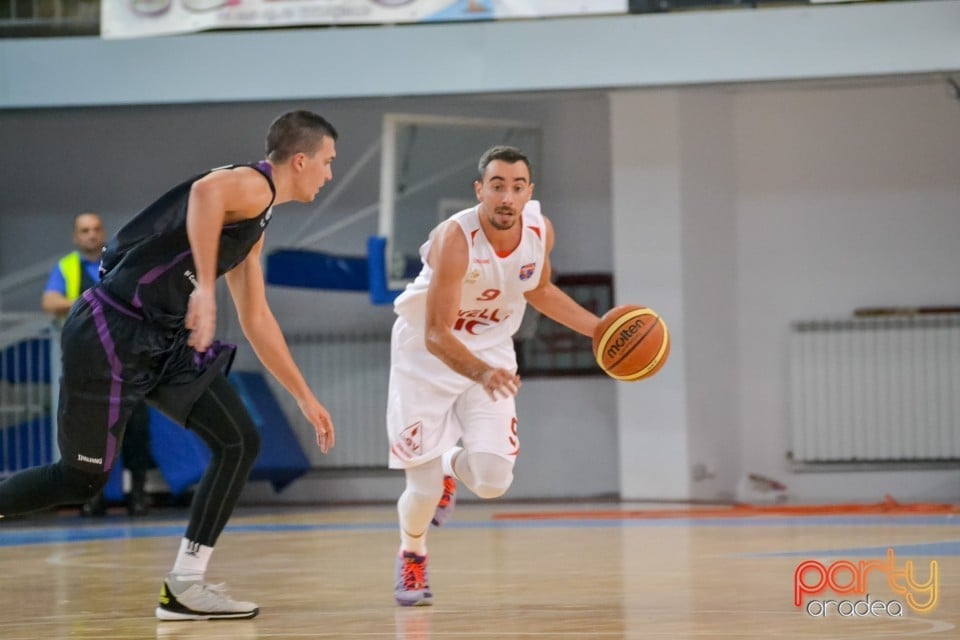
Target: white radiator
349 375
875 389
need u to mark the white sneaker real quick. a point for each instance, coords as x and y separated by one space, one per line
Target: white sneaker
186 600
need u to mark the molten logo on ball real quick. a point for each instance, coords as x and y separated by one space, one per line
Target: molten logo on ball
631 342
626 333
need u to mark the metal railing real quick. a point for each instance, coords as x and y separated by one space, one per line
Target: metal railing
29 371
28 281
29 362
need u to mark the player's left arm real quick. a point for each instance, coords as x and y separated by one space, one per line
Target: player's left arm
261 328
552 302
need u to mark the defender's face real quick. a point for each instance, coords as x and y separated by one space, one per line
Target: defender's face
503 193
315 170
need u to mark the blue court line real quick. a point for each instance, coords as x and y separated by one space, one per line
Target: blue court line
13 536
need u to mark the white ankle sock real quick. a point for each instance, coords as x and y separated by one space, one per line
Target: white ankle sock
192 560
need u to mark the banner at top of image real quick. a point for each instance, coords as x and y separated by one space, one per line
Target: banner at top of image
143 18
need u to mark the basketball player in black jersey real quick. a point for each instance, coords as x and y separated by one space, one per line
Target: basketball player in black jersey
146 331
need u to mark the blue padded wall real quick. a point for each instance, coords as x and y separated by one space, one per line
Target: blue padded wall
316 270
182 456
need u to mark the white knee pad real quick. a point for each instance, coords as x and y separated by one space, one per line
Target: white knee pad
485 474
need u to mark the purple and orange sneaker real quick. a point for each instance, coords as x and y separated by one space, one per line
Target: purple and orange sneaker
412 588
447 502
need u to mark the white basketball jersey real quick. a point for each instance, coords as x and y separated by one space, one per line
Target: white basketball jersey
491 299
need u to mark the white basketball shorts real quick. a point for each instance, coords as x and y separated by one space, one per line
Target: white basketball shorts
431 407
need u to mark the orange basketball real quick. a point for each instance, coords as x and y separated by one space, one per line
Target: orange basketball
631 342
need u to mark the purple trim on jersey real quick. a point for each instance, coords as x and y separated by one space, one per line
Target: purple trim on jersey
203 359
153 274
113 416
116 305
264 167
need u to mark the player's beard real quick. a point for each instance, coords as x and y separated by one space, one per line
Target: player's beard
503 226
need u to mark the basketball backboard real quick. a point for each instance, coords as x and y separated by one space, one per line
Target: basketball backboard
428 166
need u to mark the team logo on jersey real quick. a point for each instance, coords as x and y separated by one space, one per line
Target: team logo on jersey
472 276
266 218
189 275
526 271
410 443
83 458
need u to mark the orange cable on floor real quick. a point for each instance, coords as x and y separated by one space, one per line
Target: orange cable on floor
889 506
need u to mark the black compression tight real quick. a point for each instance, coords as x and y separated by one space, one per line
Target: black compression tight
220 418
48 486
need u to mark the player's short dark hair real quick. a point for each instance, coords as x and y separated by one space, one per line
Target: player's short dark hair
507 154
295 132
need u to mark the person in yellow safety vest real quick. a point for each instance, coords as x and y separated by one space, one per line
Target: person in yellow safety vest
75 273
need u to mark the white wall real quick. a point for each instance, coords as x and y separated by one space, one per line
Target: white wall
647 212
847 197
707 139
737 212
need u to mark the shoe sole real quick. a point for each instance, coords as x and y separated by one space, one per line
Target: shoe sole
422 602
164 614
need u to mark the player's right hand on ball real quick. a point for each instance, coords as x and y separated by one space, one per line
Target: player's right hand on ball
497 382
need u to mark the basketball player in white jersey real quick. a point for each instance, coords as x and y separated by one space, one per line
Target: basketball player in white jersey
453 367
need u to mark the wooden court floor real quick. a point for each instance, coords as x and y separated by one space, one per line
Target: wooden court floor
327 572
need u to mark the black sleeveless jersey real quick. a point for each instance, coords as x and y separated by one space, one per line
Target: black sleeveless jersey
149 265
